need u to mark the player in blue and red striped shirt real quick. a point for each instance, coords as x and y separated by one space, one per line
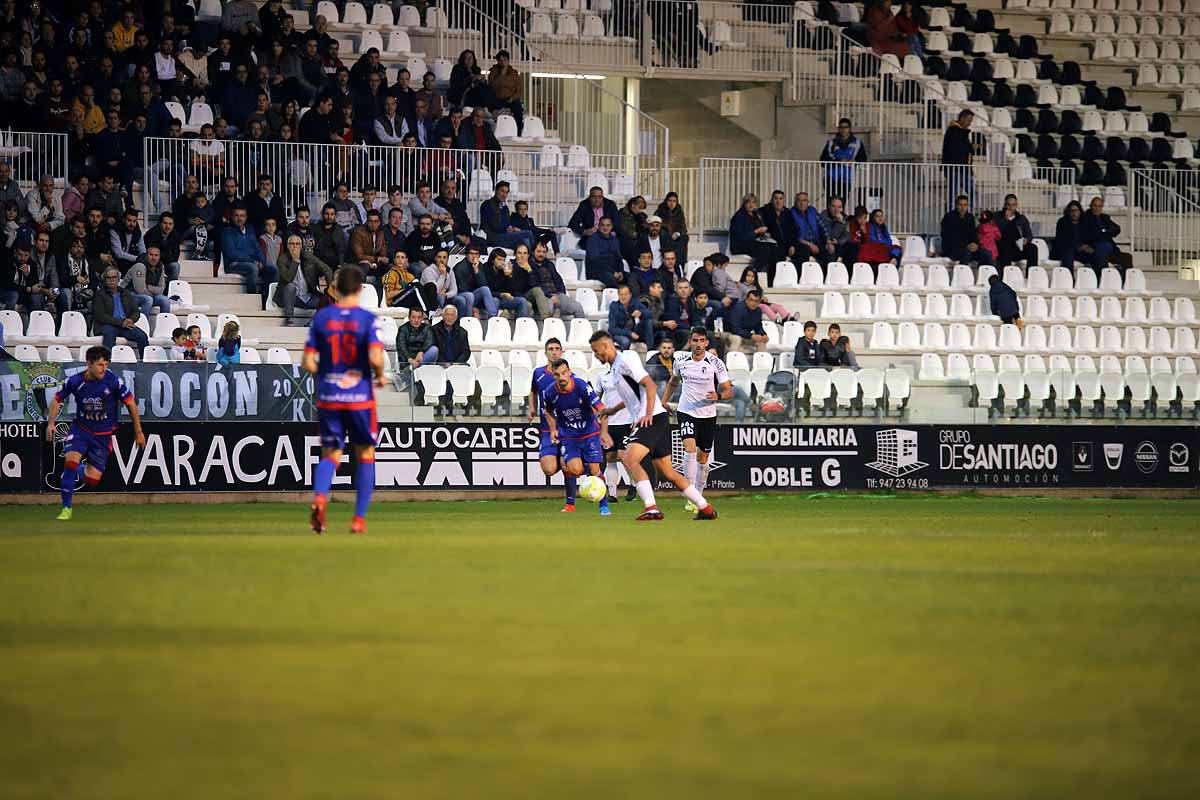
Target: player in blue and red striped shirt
549 452
99 395
570 406
344 351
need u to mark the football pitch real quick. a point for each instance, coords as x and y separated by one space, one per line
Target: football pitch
851 647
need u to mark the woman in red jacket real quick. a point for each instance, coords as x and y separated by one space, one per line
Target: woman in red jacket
883 34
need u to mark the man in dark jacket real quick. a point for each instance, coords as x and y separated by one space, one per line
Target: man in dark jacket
957 154
460 222
509 286
316 126
450 338
414 344
166 237
300 276
808 349
586 219
841 153
264 204
470 276
603 262
329 240
745 325
959 238
835 350
115 313
778 219
629 321
1100 233
1003 301
478 134
680 313
496 224
423 243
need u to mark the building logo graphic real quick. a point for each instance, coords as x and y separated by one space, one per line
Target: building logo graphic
896 453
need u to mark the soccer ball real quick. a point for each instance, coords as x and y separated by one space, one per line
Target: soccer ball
592 488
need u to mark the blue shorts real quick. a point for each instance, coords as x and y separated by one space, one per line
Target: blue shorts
94 447
587 449
336 424
548 448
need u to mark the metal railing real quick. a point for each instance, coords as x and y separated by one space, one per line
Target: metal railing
1164 219
914 197
305 175
32 155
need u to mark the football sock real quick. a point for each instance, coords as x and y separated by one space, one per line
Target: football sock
689 467
569 483
66 483
623 474
702 483
693 494
364 484
611 475
646 491
323 476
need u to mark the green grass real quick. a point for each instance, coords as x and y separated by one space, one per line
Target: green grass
844 648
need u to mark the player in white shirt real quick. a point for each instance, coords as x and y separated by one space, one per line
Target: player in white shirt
651 431
705 382
614 430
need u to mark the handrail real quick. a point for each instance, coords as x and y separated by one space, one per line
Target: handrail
1174 240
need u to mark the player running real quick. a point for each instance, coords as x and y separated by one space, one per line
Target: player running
570 406
651 431
98 394
343 351
549 451
614 428
705 381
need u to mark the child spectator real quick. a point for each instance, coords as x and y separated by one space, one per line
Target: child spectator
200 221
195 352
989 234
181 346
229 348
749 283
270 242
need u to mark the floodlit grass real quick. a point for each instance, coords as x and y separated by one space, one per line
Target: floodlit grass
921 647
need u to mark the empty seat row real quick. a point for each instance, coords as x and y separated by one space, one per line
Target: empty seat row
937 277
844 389
153 354
986 338
569 26
958 367
354 16
1161 393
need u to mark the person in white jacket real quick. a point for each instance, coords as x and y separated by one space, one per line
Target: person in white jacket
43 207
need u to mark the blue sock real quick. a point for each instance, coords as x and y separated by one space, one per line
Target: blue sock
604 502
569 483
323 476
67 483
364 484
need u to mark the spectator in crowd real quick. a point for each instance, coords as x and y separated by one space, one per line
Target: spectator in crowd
1100 233
883 33
76 276
496 221
433 98
593 208
300 275
629 321
166 237
674 224
1069 246
874 240
403 92
329 238
835 230
126 241
988 235
749 283
1016 236
1003 301
202 225
302 227
958 153
60 239
631 221
659 364
414 344
749 235
461 76
643 273
744 327
225 203
841 153
180 345
42 208
422 244
672 267
680 313
509 285
317 125
149 282
14 276
909 22
544 275
9 188
99 242
808 349
403 288
229 344
713 280
197 347
836 351
41 281
460 224
654 239
505 83
450 339
271 243
242 255
478 135
115 313
960 239
706 312
521 220
444 284
809 242
345 210
424 204
394 233
369 249
264 204
418 123
781 226
654 298
106 196
91 115
471 277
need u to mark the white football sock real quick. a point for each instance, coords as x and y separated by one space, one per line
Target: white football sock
623 474
702 483
646 492
693 494
689 467
610 475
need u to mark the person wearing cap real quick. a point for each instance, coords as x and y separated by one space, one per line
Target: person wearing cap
655 240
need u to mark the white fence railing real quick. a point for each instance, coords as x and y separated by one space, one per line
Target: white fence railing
1164 219
307 174
913 196
32 155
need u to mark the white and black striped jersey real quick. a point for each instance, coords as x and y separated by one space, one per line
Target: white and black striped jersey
628 372
698 379
610 395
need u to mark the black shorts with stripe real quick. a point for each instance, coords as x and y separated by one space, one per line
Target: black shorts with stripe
618 433
702 429
656 437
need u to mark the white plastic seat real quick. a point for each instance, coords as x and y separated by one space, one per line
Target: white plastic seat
958 368
833 305
369 38
1035 338
1036 280
859 306
785 275
1085 310
1035 308
817 384
279 355
912 277
908 336
1184 313
885 306
836 276
933 336
811 275
124 354
26 353
936 307
863 275
910 306
1010 337
845 384
958 337
882 337
985 338
1110 339
1134 339
1160 340
1110 309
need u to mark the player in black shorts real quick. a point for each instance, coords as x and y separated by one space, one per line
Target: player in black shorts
705 381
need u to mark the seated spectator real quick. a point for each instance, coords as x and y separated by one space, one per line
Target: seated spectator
989 236
43 286
149 282
643 274
749 283
706 311
655 301
509 285
835 230
593 208
75 277
127 242
166 237
505 83
242 255
300 276
423 203
521 220
329 238
450 339
414 344
478 135
680 314
883 34
497 224
450 126
445 286
115 313
808 349
674 224
422 244
434 100
1100 233
229 344
197 346
1016 236
659 365
749 235
657 242
74 200
202 225
908 22
394 233
403 288
1003 301
461 76
345 209
630 222
780 225
960 239
672 267
43 210
809 240
271 243
836 351
369 249
544 275
264 204
460 224
1069 246
471 277
744 327
629 321
713 280
180 344
874 239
